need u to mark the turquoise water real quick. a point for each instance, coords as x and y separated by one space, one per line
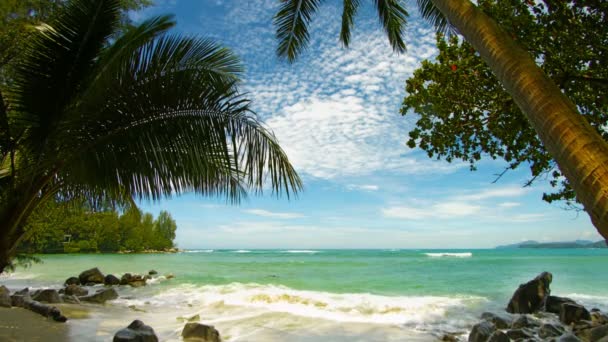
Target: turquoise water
418 290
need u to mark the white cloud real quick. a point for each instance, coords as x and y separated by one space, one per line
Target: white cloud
266 213
509 204
362 187
439 210
508 191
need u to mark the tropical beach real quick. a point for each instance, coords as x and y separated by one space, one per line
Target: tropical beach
303 170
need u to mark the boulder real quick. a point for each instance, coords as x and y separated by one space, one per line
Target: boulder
519 334
572 313
548 330
499 336
124 280
75 290
5 297
152 272
599 318
137 331
598 333
200 332
481 331
531 296
45 310
449 337
101 296
19 298
500 321
568 337
554 304
110 279
169 276
47 295
72 281
93 275
525 321
134 280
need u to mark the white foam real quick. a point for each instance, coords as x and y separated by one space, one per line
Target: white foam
590 301
199 251
454 255
347 307
301 251
242 251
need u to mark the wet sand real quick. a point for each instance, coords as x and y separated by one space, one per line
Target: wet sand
17 325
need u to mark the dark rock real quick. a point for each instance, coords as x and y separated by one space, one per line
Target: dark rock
70 299
200 332
72 281
572 313
598 318
598 333
47 295
20 300
516 334
481 331
530 297
101 296
137 331
525 321
152 272
449 338
93 275
169 276
500 321
134 280
554 304
124 280
550 330
45 310
111 280
499 336
568 337
5 297
75 290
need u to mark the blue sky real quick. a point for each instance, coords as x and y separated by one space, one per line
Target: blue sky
336 114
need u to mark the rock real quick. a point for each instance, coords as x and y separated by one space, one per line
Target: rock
47 295
70 299
550 330
5 297
72 281
200 332
598 333
137 331
101 296
195 318
530 297
152 272
449 337
93 275
20 300
572 313
499 320
111 280
45 310
134 280
124 280
75 290
598 318
481 331
517 334
568 337
554 304
169 276
499 336
525 321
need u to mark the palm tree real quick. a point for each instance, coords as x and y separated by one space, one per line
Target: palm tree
146 115
578 149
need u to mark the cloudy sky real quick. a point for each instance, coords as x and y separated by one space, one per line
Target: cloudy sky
336 114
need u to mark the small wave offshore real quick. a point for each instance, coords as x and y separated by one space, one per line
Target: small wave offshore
199 251
447 254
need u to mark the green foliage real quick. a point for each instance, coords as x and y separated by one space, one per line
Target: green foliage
58 227
465 114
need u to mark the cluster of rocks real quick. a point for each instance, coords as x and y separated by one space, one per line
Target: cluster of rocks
137 331
32 301
94 276
533 314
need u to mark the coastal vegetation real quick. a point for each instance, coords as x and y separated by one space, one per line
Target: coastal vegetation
579 151
92 113
81 228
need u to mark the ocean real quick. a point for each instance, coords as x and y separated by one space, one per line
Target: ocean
311 295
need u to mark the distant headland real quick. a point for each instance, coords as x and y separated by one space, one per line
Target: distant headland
563 244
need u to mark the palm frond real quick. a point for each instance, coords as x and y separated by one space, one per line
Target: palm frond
291 24
431 13
393 18
348 15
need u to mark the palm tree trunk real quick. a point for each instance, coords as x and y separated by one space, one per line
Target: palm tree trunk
580 152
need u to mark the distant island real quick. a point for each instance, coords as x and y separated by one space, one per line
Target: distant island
565 244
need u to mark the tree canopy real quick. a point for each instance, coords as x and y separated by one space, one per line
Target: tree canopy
465 113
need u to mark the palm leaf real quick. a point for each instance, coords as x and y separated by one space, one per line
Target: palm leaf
348 14
431 13
393 18
291 24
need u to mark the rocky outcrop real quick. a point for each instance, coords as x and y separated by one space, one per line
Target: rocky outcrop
525 321
5 297
134 280
200 332
47 296
152 272
501 321
19 298
137 331
72 281
481 331
572 313
499 336
101 296
554 304
75 290
548 330
93 275
531 296
110 279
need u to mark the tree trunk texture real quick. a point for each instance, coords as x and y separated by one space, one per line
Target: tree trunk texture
580 152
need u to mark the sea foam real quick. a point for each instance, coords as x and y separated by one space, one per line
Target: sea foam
300 251
454 255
